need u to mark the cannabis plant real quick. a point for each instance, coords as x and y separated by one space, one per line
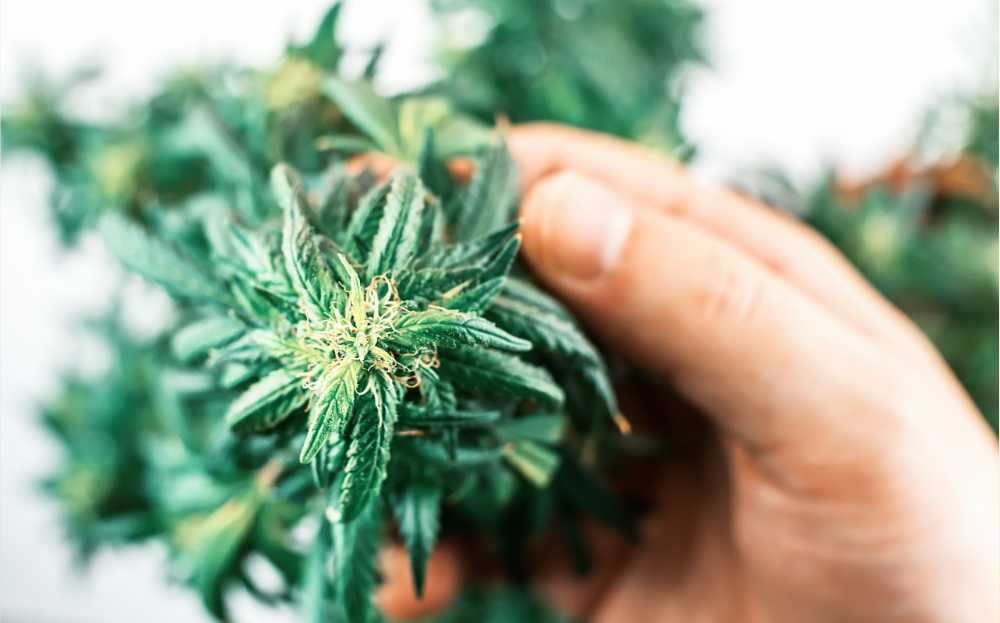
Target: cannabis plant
373 336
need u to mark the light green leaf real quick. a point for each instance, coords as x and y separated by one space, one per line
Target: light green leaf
543 428
157 261
267 402
535 462
199 337
372 113
331 409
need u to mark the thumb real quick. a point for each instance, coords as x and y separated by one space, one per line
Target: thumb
738 341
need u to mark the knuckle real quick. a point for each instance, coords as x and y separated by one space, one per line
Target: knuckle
731 297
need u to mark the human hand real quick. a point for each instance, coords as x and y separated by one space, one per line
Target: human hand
846 476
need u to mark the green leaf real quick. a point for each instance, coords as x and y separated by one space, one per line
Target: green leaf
267 402
526 293
324 48
395 243
215 545
495 373
535 462
416 510
545 428
432 170
317 593
199 337
373 114
472 252
368 453
307 269
365 221
157 261
418 416
481 292
436 326
331 409
546 330
355 550
581 487
490 200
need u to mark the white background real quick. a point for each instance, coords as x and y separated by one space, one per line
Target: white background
796 84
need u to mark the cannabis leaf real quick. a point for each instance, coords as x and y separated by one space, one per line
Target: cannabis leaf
417 513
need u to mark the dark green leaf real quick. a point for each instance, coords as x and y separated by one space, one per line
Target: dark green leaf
368 453
416 510
495 373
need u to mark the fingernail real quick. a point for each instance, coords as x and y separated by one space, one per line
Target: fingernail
583 226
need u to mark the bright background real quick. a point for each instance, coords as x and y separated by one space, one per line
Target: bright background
795 84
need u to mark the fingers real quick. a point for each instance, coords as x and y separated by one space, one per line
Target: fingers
768 363
396 597
783 245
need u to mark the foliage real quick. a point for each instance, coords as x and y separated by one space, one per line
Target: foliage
609 66
356 357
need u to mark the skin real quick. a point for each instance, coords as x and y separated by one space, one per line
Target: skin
841 472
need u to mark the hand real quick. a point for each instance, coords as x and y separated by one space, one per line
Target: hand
846 476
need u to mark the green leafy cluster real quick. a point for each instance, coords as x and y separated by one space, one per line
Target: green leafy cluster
352 353
372 331
214 129
615 67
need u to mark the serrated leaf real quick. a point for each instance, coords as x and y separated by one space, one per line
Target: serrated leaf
328 463
331 409
368 452
267 402
489 202
478 295
307 269
432 170
355 548
535 462
199 337
373 114
159 262
546 330
395 243
416 510
495 373
471 252
528 294
436 326
365 221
